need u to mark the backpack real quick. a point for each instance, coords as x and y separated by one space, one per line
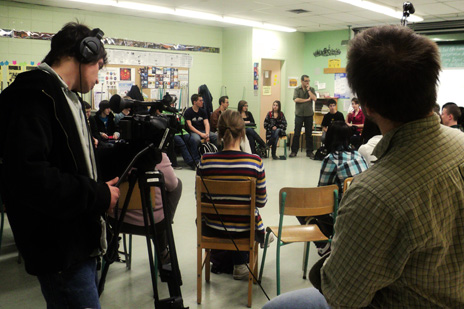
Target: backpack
321 153
207 147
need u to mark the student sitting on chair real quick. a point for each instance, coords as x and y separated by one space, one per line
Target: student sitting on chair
250 124
275 125
231 163
341 162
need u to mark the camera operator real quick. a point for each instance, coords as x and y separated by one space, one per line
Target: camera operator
49 176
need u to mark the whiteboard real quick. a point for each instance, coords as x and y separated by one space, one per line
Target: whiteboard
451 86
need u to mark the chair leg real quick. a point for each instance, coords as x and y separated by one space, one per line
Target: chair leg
207 265
278 266
1 223
305 258
199 272
266 241
251 263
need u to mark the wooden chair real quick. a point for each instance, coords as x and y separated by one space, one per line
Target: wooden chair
213 187
347 183
301 202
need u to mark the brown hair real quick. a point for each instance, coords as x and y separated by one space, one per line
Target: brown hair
230 126
241 104
394 71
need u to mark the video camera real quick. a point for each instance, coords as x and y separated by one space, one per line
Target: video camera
150 126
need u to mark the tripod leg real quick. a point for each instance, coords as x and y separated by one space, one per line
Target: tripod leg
101 284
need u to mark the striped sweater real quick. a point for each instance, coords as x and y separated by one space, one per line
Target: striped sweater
235 165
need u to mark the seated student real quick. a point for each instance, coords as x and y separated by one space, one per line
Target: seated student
187 146
125 112
450 115
371 136
223 105
92 125
355 119
197 122
173 187
232 163
251 134
105 122
331 116
342 162
275 125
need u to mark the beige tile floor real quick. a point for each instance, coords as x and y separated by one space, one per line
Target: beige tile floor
132 289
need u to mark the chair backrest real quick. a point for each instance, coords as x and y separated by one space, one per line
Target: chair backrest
308 201
135 201
347 183
213 187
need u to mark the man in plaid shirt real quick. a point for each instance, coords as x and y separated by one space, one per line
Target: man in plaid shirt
400 228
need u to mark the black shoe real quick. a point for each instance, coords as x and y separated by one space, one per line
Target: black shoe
292 155
310 155
275 157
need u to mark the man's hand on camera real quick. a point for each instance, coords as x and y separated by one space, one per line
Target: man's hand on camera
114 194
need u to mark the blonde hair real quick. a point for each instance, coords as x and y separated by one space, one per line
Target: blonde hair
230 126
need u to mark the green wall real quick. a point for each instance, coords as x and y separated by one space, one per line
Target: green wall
206 68
287 47
314 66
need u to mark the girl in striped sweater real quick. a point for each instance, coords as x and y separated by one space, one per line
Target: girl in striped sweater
228 164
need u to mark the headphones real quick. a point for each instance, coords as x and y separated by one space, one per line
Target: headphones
89 47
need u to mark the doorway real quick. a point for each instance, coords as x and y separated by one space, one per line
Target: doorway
270 88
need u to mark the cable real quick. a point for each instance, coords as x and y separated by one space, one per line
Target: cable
228 233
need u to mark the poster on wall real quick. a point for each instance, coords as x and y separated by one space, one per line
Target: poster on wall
341 88
13 71
267 90
292 82
113 80
255 76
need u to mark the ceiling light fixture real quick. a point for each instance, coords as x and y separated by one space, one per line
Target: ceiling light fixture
186 13
381 9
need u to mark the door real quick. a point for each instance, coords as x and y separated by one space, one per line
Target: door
270 89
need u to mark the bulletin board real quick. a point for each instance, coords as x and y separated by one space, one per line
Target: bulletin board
154 73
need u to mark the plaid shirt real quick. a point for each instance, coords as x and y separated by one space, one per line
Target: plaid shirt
338 166
399 234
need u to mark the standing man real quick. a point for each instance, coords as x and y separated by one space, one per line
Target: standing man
399 232
304 96
330 117
223 106
197 122
450 115
49 178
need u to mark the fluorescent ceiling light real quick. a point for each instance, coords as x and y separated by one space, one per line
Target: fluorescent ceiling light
381 9
186 13
142 7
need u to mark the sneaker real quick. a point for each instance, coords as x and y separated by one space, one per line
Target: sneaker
177 167
274 157
240 272
271 239
292 155
310 155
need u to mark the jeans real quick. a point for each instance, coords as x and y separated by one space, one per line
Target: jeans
308 123
306 298
190 157
275 134
254 137
75 287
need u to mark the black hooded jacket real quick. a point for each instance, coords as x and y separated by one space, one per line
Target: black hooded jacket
52 204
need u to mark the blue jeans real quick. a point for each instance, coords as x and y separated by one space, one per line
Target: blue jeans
306 298
76 287
308 123
182 142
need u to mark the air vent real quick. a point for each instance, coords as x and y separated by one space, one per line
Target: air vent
298 11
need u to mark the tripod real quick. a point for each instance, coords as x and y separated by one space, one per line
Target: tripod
147 177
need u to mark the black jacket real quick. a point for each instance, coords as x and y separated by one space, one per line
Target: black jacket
110 127
52 204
